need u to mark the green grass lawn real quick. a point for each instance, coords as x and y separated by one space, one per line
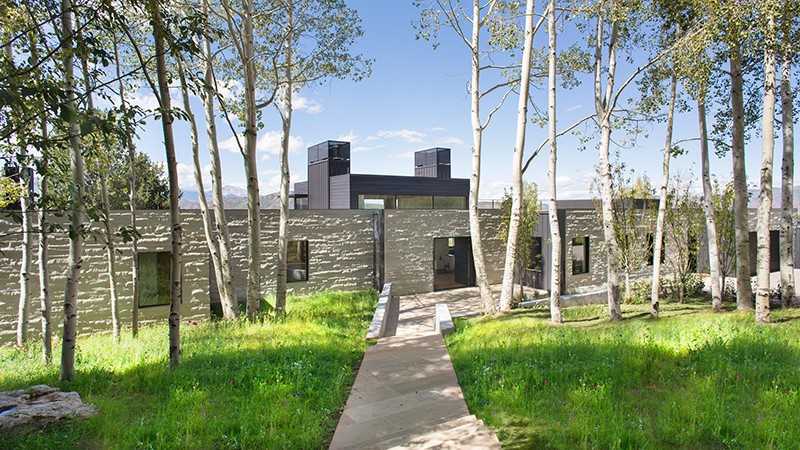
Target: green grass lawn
691 379
273 384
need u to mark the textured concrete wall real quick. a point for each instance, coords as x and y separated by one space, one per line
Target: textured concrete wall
340 248
409 245
340 257
94 312
580 223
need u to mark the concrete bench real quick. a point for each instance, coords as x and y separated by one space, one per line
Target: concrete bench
443 321
377 327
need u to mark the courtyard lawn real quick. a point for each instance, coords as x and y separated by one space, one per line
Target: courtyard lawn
269 384
691 379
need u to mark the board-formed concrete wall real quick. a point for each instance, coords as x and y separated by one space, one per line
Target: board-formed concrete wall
581 223
94 311
409 236
340 249
340 257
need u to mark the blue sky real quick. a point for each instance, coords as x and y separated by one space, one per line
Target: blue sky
417 98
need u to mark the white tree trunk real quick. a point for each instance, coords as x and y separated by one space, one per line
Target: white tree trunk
506 295
765 195
131 200
250 164
744 294
552 206
708 208
44 265
110 257
175 292
475 178
27 252
286 119
228 288
212 243
75 259
788 294
662 201
603 165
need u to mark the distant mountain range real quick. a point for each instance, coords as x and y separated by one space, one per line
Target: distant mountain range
776 197
235 198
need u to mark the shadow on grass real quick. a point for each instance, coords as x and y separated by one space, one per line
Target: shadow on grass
239 385
281 397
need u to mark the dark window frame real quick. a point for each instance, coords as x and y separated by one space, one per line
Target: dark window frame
302 265
584 268
160 277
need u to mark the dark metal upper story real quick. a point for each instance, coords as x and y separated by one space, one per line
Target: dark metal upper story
330 184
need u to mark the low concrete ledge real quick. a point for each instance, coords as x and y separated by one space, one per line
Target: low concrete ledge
378 326
584 298
471 313
443 322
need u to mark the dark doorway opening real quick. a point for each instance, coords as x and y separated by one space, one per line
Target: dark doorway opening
453 266
533 276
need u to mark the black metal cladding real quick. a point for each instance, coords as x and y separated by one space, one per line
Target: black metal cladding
432 163
325 160
331 186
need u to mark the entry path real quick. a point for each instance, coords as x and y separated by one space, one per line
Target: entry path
406 394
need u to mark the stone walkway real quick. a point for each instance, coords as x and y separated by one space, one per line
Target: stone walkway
406 394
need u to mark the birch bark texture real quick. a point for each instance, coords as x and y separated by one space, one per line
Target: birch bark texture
516 170
552 205
708 208
658 240
167 118
602 101
744 294
788 292
77 199
765 195
220 222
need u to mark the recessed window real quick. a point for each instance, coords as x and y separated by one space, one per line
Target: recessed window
414 202
580 255
154 278
449 202
374 201
297 261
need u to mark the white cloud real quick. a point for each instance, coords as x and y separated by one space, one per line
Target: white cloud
144 100
438 129
229 89
304 104
563 180
360 149
574 108
186 177
573 188
494 190
452 140
403 155
230 144
270 142
350 137
410 136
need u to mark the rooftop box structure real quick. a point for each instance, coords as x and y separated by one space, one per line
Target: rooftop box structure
432 163
330 184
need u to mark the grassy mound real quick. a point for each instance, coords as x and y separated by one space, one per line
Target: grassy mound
269 384
691 379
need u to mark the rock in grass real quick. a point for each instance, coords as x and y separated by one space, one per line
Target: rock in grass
37 406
